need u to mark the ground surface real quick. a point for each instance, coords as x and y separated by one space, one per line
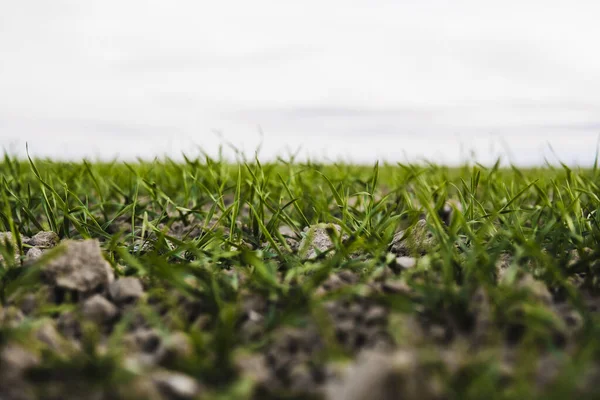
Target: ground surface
210 280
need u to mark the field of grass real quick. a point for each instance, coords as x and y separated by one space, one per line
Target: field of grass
211 280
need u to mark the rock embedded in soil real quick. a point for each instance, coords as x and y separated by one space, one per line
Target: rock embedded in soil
15 361
404 263
291 238
126 290
176 347
147 340
11 317
34 253
99 310
51 338
396 287
414 241
287 231
78 266
43 239
317 240
68 325
175 385
40 242
252 366
538 289
384 376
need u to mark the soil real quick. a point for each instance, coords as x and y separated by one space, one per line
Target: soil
377 359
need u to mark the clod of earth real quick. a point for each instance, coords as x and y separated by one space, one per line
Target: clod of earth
175 385
15 361
126 290
415 241
98 309
39 243
44 239
34 253
11 317
48 335
406 262
174 348
317 239
385 376
78 266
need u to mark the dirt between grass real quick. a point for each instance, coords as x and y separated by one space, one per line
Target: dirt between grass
80 325
202 279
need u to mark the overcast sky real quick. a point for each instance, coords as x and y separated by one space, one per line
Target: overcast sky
357 80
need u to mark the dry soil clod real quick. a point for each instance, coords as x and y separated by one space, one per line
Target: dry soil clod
126 290
78 266
99 310
317 239
414 241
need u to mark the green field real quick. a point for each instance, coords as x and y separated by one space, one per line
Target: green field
208 279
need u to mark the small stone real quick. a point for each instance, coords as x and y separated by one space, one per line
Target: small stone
69 325
286 230
416 240
49 336
34 253
396 287
11 317
382 376
28 303
255 317
44 239
98 309
376 315
253 366
406 262
538 289
317 240
78 266
126 290
15 361
176 385
147 340
176 347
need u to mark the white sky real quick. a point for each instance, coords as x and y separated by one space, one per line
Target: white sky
356 80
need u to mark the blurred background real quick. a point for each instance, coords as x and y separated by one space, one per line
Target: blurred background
335 80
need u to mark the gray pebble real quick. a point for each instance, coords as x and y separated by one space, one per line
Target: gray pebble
126 290
98 309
